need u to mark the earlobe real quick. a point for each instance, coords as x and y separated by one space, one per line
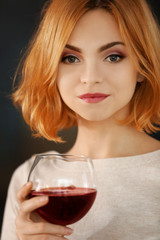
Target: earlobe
140 78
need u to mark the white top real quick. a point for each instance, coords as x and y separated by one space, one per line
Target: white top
127 206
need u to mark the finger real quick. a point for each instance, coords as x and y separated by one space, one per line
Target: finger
24 191
39 237
42 237
49 237
30 228
31 205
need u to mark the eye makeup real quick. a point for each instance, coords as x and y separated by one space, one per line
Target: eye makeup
70 58
114 55
111 55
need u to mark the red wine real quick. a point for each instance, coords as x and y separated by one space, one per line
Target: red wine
66 205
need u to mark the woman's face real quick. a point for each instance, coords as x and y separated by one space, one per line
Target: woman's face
96 77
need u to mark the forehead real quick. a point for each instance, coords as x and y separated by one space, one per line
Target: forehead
96 26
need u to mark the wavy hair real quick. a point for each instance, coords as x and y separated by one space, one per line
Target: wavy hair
36 92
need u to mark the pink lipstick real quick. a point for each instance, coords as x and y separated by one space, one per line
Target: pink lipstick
93 97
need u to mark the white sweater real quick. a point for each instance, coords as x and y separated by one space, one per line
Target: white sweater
127 206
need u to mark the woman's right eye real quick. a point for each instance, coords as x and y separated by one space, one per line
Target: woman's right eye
70 59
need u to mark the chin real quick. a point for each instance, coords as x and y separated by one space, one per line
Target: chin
93 118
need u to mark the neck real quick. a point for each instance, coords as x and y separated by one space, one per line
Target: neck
102 139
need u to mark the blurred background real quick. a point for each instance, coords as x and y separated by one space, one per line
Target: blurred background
18 20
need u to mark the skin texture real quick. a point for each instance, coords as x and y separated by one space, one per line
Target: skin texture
91 69
26 228
109 71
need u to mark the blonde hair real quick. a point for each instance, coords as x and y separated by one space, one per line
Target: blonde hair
37 93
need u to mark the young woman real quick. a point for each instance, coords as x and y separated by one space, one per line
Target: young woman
95 64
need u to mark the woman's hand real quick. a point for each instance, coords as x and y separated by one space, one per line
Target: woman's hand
27 229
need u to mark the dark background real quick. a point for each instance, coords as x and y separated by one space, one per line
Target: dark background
18 20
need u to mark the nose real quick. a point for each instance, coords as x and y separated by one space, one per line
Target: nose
91 74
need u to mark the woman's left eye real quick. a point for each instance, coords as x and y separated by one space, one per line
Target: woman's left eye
70 59
114 58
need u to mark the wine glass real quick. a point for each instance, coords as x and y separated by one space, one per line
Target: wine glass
68 181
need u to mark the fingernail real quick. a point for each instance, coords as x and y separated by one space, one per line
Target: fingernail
28 184
43 198
69 231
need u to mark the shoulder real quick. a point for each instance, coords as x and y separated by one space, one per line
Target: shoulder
139 143
20 175
151 144
144 143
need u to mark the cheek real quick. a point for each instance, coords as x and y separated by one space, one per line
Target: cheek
62 82
66 88
123 86
68 83
125 79
65 77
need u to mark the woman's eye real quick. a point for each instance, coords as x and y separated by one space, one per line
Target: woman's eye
70 59
114 58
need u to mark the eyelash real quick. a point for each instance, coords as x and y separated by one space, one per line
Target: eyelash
65 59
120 57
69 57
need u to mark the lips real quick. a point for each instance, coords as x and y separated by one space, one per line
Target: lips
93 97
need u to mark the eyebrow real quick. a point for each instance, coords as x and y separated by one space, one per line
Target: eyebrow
101 49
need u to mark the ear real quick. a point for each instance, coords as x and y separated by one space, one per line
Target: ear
140 78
